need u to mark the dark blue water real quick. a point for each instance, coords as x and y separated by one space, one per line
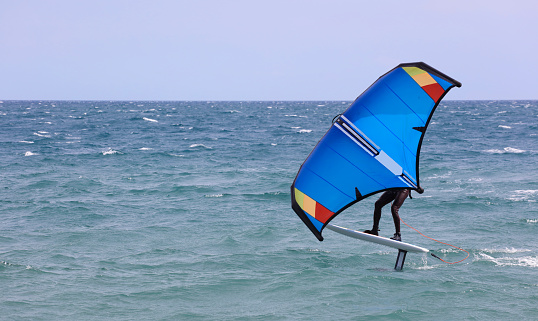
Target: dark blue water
181 210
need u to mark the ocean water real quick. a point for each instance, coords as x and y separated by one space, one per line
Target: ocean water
181 211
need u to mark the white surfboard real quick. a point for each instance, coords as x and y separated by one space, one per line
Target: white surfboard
377 239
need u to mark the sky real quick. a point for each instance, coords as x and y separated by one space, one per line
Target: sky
260 49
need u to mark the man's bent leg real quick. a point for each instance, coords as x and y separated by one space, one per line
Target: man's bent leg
383 200
398 202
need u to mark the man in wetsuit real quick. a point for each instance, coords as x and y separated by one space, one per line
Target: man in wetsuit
398 196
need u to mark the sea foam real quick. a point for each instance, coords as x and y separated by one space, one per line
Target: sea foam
199 146
524 195
110 151
506 150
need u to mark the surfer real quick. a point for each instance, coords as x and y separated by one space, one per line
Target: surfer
398 197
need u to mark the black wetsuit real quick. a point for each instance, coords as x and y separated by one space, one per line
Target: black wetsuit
398 196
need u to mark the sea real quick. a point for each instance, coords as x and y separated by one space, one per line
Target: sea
165 210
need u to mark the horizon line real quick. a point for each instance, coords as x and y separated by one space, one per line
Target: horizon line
247 100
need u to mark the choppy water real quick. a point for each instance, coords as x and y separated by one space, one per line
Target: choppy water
181 211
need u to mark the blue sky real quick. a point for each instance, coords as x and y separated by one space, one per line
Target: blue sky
260 50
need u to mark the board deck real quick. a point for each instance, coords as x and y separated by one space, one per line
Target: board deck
377 239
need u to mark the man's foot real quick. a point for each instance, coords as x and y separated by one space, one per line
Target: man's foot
371 232
397 237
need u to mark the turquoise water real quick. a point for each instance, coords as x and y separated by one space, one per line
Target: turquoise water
181 211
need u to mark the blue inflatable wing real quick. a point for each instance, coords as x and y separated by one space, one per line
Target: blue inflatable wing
372 147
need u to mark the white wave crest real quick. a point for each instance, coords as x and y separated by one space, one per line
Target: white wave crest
506 150
530 261
505 127
524 195
295 116
514 150
26 141
29 154
110 151
505 250
199 146
42 134
145 148
302 131
150 120
525 261
426 267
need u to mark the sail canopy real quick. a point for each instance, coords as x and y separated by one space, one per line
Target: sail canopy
372 147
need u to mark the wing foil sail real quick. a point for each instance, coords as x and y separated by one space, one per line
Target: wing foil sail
372 147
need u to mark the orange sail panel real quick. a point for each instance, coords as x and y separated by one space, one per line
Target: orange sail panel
426 82
311 207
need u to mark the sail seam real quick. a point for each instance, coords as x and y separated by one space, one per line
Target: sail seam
356 137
